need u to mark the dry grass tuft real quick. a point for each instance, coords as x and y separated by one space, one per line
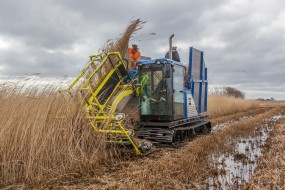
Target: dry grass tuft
120 45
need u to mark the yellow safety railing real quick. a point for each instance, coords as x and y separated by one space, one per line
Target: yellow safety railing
102 88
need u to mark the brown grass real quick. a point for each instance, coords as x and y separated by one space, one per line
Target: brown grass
237 115
42 136
226 105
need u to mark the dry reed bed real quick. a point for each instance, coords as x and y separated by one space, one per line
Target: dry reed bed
226 105
42 137
184 168
271 166
229 118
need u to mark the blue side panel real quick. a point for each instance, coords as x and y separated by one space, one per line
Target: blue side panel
197 79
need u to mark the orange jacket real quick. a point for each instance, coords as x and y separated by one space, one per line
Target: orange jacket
134 56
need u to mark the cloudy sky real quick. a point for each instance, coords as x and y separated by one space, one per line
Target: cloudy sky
243 40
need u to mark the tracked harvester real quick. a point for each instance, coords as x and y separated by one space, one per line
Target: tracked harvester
172 97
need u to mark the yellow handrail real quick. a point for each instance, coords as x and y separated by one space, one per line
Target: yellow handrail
102 116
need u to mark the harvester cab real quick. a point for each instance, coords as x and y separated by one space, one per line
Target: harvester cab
161 90
172 98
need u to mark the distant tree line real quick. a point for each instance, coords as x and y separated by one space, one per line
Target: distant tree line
229 91
266 99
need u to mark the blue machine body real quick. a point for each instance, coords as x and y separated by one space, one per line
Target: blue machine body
194 85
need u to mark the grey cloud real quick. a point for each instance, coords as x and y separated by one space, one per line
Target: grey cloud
243 41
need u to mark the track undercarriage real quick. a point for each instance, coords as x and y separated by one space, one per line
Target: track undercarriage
173 132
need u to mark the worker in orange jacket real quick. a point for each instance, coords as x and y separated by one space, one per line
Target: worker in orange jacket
135 55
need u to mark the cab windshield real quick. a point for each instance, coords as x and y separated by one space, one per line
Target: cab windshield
155 96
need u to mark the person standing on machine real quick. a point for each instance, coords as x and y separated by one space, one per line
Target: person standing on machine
175 54
134 54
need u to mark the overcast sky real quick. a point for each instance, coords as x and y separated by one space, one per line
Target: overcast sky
243 40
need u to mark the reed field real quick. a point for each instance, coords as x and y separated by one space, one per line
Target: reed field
41 137
45 142
226 105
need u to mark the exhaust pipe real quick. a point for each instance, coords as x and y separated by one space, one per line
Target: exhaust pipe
170 46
